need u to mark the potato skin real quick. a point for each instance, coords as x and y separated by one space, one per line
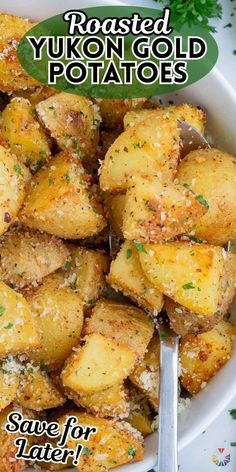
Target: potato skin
212 174
202 355
61 201
27 256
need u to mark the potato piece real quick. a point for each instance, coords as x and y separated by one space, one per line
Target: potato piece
37 392
126 275
146 373
124 324
194 116
27 256
113 110
17 330
212 174
13 180
141 416
184 321
188 273
202 355
35 95
89 268
12 75
110 402
114 205
115 443
156 212
150 147
73 121
9 382
60 200
8 450
99 364
21 132
58 316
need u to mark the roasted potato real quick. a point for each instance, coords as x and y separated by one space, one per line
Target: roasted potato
126 325
114 110
113 401
156 211
13 181
8 449
148 148
58 316
99 364
145 376
12 75
9 383
60 200
194 116
127 276
17 328
202 355
211 174
27 256
37 392
199 287
34 95
141 417
22 133
115 443
114 205
73 121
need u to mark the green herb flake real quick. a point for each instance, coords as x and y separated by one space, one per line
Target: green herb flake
188 286
202 200
9 326
86 451
234 52
192 253
196 240
44 367
233 444
233 413
129 253
139 246
2 310
18 169
131 452
163 335
67 177
67 265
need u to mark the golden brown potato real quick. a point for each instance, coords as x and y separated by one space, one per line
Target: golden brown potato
37 392
113 401
114 205
211 174
126 325
34 95
17 328
202 355
12 75
141 417
13 180
88 268
8 450
115 443
127 276
22 133
60 200
194 116
9 382
155 211
27 256
73 121
99 364
188 273
113 110
58 316
146 373
150 147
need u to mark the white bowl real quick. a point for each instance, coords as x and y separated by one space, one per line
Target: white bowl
217 97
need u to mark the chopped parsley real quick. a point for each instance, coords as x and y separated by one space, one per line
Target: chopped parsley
188 286
44 367
2 310
233 444
67 177
9 326
233 413
18 169
202 200
86 451
196 240
140 247
129 253
163 335
67 265
131 452
192 253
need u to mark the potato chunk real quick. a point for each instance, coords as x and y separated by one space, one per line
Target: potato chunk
141 416
37 392
13 180
12 75
113 110
156 212
60 200
126 275
9 382
124 324
21 132
115 443
113 401
194 116
202 355
58 316
17 329
146 373
212 174
114 205
150 147
8 450
99 364
73 121
36 94
188 273
27 256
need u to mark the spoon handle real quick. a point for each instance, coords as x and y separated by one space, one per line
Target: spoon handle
167 428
